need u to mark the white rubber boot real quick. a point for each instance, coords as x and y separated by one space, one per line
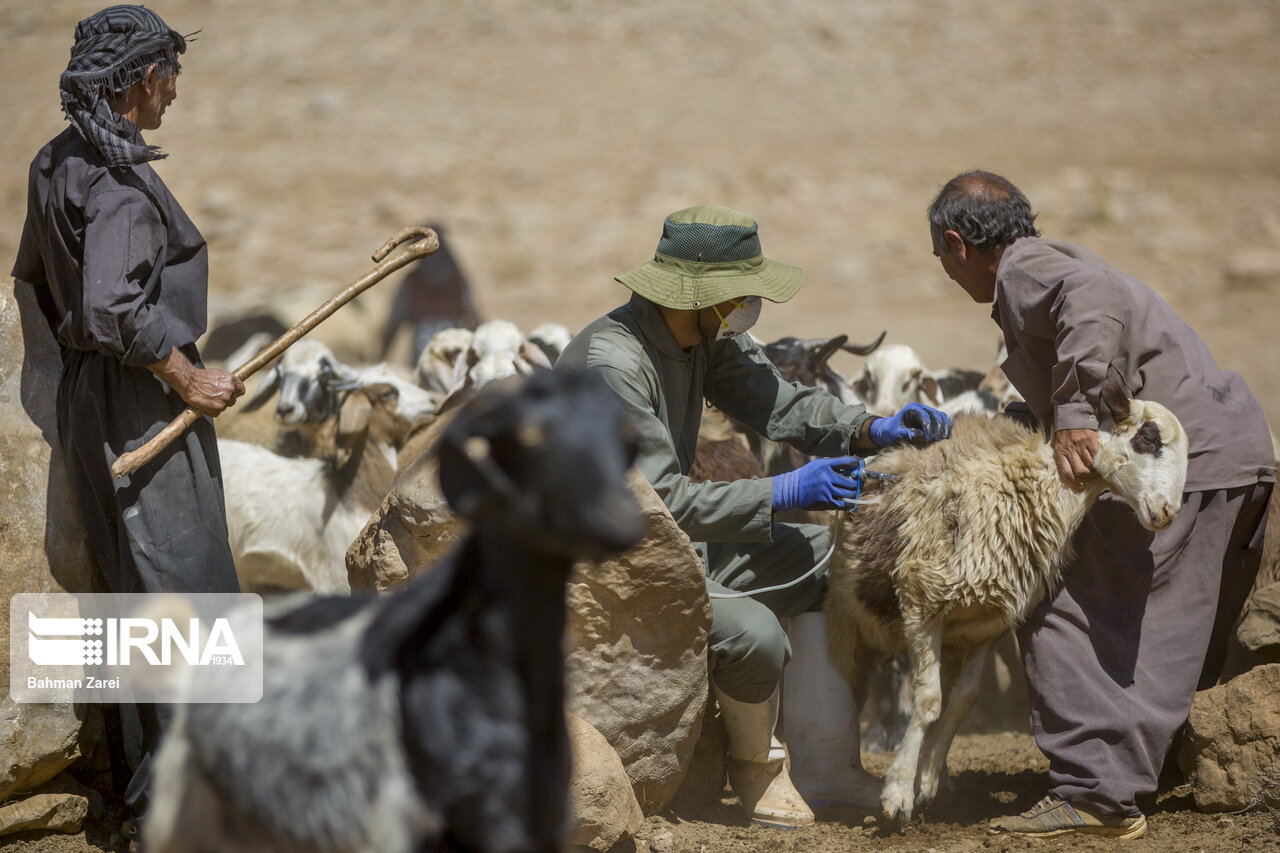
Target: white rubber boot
758 764
821 723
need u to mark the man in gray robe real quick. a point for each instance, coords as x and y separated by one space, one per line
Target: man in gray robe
121 275
1115 656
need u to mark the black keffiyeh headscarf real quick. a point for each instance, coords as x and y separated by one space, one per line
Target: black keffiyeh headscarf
112 51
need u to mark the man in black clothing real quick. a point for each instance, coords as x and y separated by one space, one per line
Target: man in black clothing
121 275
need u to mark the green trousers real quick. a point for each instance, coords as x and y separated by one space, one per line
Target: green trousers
748 644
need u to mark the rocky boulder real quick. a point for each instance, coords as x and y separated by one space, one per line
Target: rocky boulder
638 652
42 541
1259 630
604 808
1229 751
412 529
637 633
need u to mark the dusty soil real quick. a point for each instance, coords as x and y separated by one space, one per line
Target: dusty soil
551 138
992 775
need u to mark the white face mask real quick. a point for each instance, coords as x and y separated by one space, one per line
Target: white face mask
744 315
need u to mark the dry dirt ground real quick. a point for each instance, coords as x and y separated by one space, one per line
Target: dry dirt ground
552 137
992 775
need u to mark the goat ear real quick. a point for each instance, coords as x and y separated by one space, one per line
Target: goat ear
929 385
353 423
264 392
1117 398
344 377
535 357
862 386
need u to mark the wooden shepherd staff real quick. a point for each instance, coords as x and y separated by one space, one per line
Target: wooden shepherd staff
426 243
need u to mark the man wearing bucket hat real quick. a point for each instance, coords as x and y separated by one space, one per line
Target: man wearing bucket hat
676 344
121 276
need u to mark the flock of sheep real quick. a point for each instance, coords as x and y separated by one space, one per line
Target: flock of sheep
338 434
960 548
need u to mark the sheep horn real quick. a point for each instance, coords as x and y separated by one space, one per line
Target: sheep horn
864 349
387 263
828 349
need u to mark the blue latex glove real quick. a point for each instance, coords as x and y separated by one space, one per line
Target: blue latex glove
913 422
822 484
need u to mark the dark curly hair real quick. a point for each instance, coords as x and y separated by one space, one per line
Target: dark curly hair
985 209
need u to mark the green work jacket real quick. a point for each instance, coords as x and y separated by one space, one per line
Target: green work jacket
664 389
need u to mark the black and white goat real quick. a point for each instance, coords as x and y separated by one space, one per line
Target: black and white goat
431 719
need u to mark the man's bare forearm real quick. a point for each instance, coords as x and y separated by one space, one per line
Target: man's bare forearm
206 390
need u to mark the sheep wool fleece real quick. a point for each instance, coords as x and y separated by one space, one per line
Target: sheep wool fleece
121 275
664 389
1114 657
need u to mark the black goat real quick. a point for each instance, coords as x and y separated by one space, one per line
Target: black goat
431 719
807 361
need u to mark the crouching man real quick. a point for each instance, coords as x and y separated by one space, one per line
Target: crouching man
676 345
1115 655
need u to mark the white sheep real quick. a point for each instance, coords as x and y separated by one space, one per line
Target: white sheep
436 369
498 350
551 338
291 520
962 548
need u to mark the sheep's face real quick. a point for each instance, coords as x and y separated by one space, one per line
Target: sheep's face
312 394
1144 460
310 381
545 464
438 362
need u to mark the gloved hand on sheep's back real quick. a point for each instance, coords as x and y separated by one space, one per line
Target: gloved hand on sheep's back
913 422
821 484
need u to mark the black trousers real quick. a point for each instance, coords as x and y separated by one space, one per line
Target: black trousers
162 529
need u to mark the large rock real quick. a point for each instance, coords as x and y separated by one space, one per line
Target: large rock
1259 630
637 633
42 541
412 529
604 808
50 812
638 652
1230 751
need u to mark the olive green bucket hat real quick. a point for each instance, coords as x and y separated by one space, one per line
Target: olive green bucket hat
707 255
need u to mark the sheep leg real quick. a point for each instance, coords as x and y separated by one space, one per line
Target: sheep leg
933 761
924 648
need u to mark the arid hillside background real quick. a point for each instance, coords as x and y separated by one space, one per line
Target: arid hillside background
552 137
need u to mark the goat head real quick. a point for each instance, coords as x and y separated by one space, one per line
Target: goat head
545 461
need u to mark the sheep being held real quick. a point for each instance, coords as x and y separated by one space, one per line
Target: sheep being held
431 719
963 546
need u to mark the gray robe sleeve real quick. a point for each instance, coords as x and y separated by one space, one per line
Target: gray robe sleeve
124 247
747 387
1081 314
